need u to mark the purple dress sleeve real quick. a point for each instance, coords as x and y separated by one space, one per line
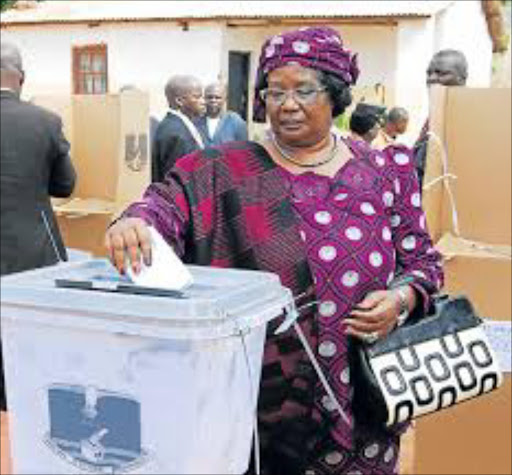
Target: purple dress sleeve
419 264
165 207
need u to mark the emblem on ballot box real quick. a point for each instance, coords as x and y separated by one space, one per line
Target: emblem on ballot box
96 430
136 151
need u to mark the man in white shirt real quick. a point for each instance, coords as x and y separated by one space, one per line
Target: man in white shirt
177 135
220 126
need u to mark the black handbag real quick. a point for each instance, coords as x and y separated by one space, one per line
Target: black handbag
423 366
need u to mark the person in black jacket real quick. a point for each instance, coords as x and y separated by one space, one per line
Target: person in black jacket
177 134
35 164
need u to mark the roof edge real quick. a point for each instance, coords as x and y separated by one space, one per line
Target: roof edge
384 19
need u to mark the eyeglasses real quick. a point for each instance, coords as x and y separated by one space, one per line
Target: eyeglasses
302 95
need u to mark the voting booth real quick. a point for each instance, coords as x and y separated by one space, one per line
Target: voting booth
467 199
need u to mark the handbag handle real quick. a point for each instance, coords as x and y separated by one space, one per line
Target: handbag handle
320 373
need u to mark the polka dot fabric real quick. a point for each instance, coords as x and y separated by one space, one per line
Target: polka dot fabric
360 231
358 228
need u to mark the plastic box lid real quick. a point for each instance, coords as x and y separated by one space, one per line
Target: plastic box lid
92 295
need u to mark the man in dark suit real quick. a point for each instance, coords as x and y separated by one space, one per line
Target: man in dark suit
35 164
218 125
177 135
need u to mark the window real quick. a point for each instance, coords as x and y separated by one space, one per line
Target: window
90 69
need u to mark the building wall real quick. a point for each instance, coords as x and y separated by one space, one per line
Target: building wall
414 49
375 45
395 54
143 55
463 26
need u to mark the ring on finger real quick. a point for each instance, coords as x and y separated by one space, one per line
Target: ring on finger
370 338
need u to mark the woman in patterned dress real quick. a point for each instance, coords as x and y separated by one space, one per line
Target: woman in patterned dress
343 227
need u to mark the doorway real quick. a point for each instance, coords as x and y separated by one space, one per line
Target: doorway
238 82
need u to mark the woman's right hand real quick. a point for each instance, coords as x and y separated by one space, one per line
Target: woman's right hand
125 241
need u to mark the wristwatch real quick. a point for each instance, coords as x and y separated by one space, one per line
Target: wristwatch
403 306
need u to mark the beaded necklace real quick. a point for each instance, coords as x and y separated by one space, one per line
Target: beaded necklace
330 156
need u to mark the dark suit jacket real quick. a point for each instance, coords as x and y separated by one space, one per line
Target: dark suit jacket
420 152
34 165
172 141
231 128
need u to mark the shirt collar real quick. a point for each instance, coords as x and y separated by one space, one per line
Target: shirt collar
190 126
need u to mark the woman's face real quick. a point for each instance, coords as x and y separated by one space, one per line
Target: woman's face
299 110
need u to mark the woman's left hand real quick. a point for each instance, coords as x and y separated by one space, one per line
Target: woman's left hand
376 315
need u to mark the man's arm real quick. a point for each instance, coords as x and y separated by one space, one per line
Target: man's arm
62 174
240 126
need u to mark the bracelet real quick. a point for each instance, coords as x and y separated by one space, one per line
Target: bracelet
403 307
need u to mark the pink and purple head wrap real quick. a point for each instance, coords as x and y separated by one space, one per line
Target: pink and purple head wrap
319 48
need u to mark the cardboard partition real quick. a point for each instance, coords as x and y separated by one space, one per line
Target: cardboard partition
86 232
481 271
473 437
5 448
433 184
109 136
111 145
471 140
83 223
60 105
407 451
472 126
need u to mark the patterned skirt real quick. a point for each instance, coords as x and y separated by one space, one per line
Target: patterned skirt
371 455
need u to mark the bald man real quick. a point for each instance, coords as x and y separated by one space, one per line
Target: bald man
218 125
177 134
395 124
447 67
34 165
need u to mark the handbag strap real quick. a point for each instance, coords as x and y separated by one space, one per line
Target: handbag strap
320 373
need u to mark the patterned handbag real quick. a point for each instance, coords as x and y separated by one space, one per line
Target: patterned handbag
423 366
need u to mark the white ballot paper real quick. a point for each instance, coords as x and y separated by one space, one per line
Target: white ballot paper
500 338
166 270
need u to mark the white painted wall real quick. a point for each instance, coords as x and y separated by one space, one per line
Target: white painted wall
144 55
375 45
147 54
463 27
414 49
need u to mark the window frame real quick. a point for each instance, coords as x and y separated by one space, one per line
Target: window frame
78 74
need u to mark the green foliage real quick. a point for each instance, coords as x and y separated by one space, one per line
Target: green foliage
6 4
342 121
